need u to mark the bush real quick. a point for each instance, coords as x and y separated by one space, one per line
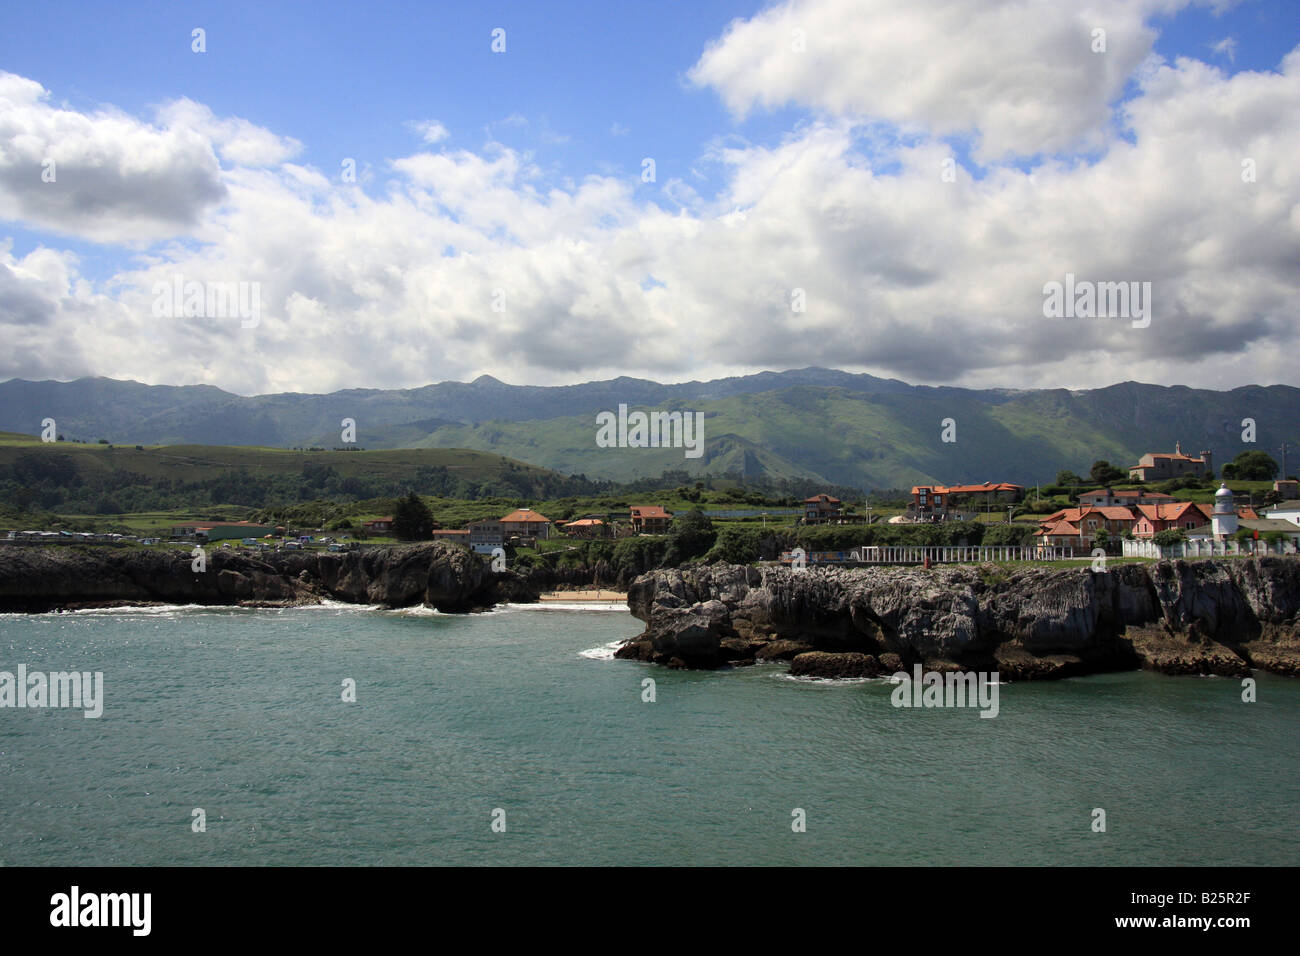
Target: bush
412 520
691 537
999 535
739 545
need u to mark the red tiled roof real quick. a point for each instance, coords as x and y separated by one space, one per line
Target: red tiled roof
1109 512
1170 512
967 489
584 523
1059 528
525 516
1128 493
649 511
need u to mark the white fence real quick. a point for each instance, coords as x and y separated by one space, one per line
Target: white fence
1204 548
913 554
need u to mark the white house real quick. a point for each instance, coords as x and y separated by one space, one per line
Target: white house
1287 511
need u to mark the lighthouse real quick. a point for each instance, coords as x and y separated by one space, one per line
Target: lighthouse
1225 514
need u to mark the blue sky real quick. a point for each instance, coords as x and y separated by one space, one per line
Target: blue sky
583 93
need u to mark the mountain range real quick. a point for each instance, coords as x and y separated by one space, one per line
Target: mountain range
838 427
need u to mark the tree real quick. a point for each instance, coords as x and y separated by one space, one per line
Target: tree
1101 538
692 535
1251 466
412 520
1104 473
1169 537
1068 478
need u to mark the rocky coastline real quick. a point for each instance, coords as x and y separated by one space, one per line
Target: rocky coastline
1216 616
1224 617
39 579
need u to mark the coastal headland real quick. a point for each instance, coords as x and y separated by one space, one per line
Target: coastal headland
442 576
1216 616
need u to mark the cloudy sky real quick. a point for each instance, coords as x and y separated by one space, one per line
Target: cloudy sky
673 191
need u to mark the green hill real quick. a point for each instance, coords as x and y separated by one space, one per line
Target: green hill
818 425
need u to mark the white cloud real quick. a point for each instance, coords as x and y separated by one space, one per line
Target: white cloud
431 131
112 177
1227 47
1022 75
904 274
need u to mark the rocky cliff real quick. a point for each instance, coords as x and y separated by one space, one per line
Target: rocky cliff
439 575
1184 617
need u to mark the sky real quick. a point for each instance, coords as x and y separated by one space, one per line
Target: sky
548 193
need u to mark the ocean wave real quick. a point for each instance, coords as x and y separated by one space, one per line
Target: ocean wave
156 610
831 681
415 610
605 652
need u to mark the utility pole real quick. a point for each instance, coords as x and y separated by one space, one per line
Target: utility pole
1283 475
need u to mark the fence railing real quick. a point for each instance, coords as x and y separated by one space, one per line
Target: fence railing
935 554
1204 548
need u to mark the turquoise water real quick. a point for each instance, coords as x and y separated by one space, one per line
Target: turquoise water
240 712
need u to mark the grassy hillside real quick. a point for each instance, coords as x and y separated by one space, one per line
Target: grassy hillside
195 462
818 425
104 479
831 434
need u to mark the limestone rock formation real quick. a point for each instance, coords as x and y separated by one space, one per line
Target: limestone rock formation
1185 617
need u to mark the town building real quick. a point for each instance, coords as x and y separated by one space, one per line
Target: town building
1287 488
378 526
1159 466
1285 510
1128 498
485 535
1077 527
953 502
1226 522
526 523
451 535
1152 519
586 528
821 508
650 519
232 529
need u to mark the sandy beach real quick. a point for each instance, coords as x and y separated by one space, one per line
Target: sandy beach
607 597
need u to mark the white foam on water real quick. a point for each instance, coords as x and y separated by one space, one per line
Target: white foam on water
157 610
415 610
830 681
605 652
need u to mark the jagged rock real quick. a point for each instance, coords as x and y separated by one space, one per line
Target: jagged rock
825 664
1211 616
782 650
44 578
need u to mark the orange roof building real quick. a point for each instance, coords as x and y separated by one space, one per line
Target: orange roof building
526 522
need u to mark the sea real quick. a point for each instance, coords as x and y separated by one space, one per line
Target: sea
351 736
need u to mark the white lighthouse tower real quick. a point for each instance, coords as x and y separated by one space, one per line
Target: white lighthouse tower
1225 513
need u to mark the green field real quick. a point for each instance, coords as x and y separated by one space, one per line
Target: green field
191 463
